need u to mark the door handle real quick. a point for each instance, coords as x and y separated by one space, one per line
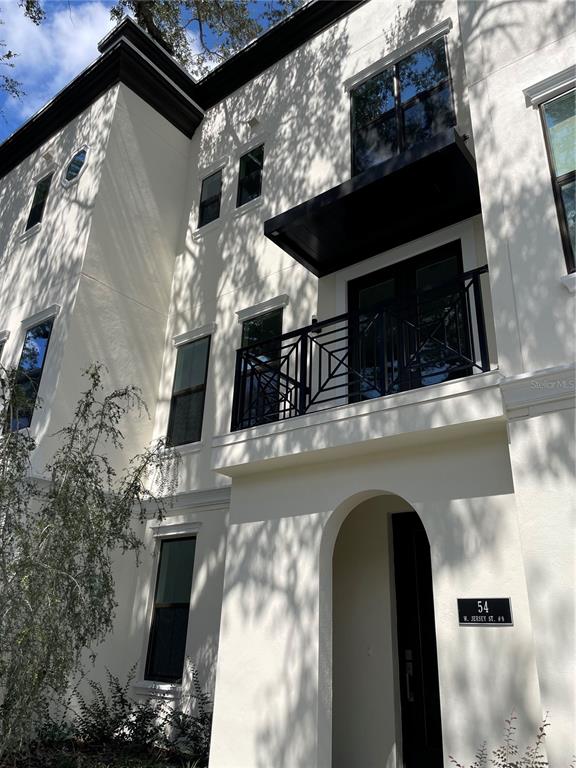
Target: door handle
409 674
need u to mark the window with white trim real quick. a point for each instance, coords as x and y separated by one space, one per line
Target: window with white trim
250 176
210 198
404 104
41 192
29 373
170 613
189 392
75 166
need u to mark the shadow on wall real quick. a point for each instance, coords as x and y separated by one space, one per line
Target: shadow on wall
44 268
266 579
272 581
299 103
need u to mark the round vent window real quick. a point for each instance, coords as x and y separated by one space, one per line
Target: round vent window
75 165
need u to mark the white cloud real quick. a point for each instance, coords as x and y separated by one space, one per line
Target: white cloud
51 54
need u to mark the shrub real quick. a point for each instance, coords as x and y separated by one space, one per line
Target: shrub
508 754
190 734
114 719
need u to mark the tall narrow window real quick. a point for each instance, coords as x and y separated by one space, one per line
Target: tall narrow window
39 201
167 644
250 176
210 197
403 105
29 373
559 117
187 406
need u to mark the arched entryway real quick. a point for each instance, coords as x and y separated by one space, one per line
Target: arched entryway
385 702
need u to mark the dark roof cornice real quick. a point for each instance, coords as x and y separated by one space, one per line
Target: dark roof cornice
130 56
121 62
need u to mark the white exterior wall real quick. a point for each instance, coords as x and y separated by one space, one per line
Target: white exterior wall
508 50
131 271
41 268
273 689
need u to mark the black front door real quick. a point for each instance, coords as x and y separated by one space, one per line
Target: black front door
409 325
418 665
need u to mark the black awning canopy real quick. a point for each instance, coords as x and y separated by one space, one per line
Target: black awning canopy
430 186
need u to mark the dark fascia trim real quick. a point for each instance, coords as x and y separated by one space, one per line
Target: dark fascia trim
270 47
122 62
130 31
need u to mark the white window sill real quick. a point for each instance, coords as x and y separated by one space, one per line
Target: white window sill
183 450
157 690
199 233
569 282
30 232
251 205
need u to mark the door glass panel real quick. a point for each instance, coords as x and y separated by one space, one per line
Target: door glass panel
440 330
375 356
261 374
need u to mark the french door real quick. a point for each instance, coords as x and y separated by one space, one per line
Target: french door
411 325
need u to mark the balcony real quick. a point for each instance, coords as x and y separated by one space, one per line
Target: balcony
427 338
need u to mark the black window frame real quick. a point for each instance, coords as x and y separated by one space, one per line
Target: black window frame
148 672
204 204
259 172
557 183
400 107
188 391
25 377
39 200
255 395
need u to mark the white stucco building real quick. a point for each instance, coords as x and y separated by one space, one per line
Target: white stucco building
374 203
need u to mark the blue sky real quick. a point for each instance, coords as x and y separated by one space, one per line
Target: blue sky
51 54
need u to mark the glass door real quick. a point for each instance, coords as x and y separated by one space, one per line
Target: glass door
408 325
262 362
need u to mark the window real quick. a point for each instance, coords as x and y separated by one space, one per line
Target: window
39 201
559 118
407 103
29 373
75 165
262 362
210 197
187 406
167 643
250 176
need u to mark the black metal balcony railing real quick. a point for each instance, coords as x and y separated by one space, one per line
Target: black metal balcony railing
434 336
